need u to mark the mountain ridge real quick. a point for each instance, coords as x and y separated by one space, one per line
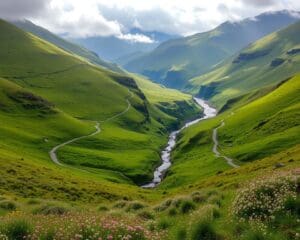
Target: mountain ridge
174 62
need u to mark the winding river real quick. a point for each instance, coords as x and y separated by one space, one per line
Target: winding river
160 171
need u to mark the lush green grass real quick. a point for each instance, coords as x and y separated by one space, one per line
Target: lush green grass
267 125
48 97
26 137
65 45
252 68
156 93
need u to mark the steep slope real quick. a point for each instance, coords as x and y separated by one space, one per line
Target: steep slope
66 45
80 93
253 129
264 62
175 61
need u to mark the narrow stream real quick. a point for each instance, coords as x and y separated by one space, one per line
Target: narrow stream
159 172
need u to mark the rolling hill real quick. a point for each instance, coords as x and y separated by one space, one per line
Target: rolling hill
50 96
42 33
264 62
174 62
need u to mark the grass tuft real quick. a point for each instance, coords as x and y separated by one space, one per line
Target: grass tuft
51 210
204 230
187 206
8 205
17 229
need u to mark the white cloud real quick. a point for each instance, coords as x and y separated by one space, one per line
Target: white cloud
83 18
73 20
136 38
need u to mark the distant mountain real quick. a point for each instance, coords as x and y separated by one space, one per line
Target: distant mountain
43 33
175 61
112 48
123 60
158 37
263 63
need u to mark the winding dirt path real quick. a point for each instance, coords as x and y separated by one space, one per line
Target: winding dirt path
53 151
216 146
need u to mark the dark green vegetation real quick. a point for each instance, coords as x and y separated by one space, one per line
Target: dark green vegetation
176 61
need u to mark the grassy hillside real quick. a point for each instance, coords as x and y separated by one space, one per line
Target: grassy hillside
263 63
174 62
83 93
261 135
65 45
263 127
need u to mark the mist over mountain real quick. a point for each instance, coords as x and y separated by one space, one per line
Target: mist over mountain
174 62
111 48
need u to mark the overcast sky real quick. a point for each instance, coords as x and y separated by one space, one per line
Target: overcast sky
85 18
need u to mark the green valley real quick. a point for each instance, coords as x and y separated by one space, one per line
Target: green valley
80 92
91 151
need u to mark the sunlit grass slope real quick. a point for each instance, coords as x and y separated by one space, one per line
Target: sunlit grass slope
263 63
78 91
253 130
66 45
30 126
267 125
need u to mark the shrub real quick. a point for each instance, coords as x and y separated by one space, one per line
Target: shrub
8 205
187 206
134 206
172 212
33 202
203 231
53 210
17 229
293 205
103 208
216 213
163 224
261 199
